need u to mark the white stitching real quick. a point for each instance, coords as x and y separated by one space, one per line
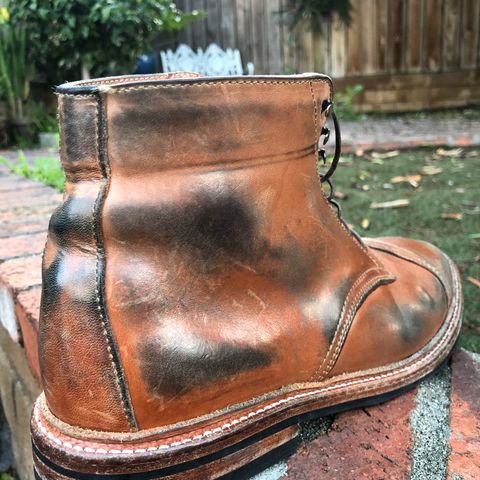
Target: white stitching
227 426
97 290
348 322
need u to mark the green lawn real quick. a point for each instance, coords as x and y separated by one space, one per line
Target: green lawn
456 189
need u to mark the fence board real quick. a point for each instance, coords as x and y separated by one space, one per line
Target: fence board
214 33
354 41
451 35
470 33
338 47
274 36
228 23
432 35
414 36
382 29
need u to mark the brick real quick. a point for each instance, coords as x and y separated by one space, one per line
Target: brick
13 182
25 213
22 245
22 199
464 459
27 309
370 443
34 225
11 196
18 390
21 273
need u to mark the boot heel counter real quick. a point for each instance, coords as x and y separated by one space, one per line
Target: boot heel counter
79 366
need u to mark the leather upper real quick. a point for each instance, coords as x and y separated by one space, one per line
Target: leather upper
196 264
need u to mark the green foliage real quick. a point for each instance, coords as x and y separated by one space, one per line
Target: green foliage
95 36
455 189
44 169
42 119
6 476
344 104
15 66
314 11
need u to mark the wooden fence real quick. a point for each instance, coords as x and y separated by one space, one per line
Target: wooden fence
407 53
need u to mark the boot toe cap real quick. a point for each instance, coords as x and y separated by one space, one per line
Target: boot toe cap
397 320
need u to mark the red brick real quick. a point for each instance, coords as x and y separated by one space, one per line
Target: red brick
372 443
13 182
27 309
464 458
21 273
26 213
35 224
22 245
22 199
36 189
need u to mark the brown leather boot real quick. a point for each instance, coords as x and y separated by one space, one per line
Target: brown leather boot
200 291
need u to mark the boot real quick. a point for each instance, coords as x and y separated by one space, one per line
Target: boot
201 292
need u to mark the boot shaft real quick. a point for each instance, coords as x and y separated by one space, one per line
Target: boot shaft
192 218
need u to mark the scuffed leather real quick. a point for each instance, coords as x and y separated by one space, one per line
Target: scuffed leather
227 273
77 373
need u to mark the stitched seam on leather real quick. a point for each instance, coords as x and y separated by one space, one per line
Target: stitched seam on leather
227 426
315 118
350 316
99 252
135 78
202 84
406 255
339 323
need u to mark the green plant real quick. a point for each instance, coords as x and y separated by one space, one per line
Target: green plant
314 11
344 104
42 118
15 66
44 169
94 37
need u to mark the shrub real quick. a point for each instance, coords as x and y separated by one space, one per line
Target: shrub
44 169
73 39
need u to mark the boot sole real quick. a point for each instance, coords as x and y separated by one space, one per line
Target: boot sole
238 443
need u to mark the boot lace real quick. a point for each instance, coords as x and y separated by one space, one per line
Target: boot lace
327 107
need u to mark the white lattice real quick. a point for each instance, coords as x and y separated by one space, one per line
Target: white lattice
212 62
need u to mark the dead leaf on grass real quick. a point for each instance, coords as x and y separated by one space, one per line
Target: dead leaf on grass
359 152
431 170
365 223
452 216
401 202
413 180
454 152
384 155
340 195
474 281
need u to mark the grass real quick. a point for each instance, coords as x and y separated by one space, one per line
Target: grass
44 169
455 190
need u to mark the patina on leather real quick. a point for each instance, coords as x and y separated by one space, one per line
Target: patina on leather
196 263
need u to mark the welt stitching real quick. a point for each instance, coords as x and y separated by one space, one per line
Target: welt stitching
111 350
339 323
349 320
227 426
